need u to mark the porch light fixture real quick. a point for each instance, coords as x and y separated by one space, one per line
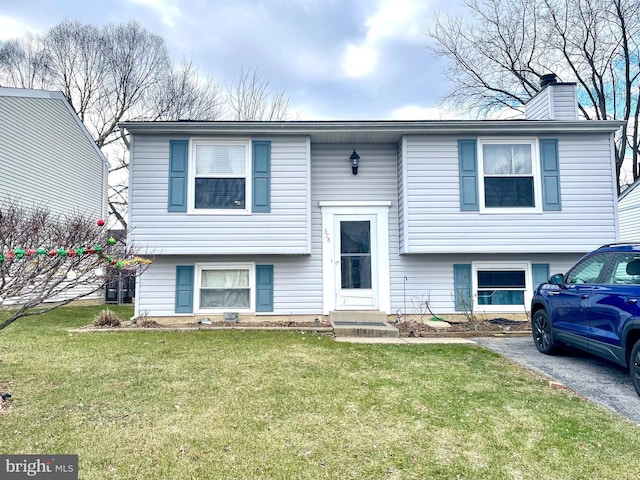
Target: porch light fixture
354 162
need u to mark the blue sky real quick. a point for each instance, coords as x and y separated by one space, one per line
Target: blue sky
337 59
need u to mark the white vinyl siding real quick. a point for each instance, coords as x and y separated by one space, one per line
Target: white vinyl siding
436 224
401 197
47 158
565 104
297 287
282 231
539 107
629 215
297 283
555 102
332 181
419 278
297 280
418 178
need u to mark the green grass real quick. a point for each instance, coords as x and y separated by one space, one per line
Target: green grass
286 405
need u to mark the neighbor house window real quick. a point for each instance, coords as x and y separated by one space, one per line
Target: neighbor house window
220 180
225 287
501 287
508 175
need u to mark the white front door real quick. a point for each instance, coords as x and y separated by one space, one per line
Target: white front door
356 266
355 256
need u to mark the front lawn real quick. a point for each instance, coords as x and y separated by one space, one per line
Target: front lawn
287 405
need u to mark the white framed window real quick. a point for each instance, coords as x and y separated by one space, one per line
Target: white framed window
220 181
223 287
509 176
501 286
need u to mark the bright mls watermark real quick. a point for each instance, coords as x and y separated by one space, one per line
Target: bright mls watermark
49 467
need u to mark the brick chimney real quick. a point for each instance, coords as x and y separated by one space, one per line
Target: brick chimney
554 101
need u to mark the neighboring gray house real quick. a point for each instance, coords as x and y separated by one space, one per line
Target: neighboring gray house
629 213
268 218
47 156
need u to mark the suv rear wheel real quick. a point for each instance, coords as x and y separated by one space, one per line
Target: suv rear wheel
541 329
634 366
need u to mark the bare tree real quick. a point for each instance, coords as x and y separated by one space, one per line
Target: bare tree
498 50
250 97
49 260
24 63
76 65
110 75
188 94
123 72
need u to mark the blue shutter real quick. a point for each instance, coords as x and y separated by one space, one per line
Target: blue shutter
540 273
178 170
468 166
550 172
462 286
184 289
261 176
264 288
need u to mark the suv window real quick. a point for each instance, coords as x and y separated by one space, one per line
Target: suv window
587 271
622 270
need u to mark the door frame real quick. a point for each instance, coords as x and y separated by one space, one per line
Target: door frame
329 248
356 298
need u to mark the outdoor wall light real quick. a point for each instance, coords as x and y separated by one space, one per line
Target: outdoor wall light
354 162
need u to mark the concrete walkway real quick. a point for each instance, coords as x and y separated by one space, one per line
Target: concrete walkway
403 340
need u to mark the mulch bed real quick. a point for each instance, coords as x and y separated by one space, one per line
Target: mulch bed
480 327
150 324
409 328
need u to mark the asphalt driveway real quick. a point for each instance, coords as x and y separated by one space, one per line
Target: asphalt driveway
597 380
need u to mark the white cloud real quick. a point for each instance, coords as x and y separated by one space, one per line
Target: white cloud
398 19
359 60
415 112
167 9
394 20
11 28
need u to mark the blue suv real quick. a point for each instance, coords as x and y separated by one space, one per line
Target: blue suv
594 307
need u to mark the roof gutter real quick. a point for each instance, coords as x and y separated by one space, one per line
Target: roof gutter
427 127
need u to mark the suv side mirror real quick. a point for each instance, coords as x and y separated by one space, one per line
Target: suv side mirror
557 279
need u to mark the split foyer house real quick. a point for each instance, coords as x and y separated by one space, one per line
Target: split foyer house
311 217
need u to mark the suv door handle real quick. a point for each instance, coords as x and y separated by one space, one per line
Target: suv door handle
584 295
631 301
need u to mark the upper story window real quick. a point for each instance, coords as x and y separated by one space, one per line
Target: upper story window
221 177
509 175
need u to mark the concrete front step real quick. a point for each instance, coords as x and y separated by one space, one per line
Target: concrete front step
358 316
361 324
